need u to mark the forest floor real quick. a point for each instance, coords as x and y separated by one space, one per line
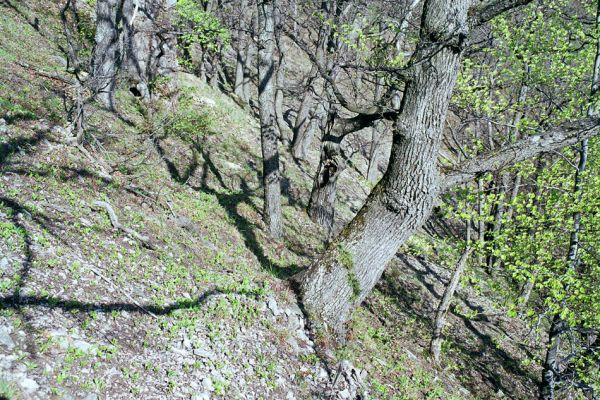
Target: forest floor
183 295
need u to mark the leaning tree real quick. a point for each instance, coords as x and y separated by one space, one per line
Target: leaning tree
402 201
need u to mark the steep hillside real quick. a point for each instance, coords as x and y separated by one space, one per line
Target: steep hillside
136 266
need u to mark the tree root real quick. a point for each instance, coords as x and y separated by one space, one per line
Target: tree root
145 240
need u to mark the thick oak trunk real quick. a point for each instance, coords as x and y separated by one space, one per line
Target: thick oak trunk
269 136
401 202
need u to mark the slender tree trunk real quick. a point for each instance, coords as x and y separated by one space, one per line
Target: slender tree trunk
401 202
280 82
549 375
372 172
551 371
106 58
246 82
240 67
440 317
481 222
314 90
241 53
530 283
498 213
269 136
304 118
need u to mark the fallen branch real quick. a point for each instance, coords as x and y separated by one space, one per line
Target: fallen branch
117 225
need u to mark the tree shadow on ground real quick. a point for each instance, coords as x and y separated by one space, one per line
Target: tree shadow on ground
18 144
229 199
485 357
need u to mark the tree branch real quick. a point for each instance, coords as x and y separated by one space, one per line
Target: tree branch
488 10
554 139
327 76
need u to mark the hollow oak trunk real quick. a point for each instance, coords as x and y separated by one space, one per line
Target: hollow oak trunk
321 206
401 202
268 129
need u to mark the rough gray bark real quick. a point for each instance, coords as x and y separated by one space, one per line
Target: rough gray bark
133 40
280 83
304 119
242 53
268 129
332 161
554 139
376 136
321 206
403 199
149 45
106 57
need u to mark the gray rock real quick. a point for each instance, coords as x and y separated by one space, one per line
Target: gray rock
344 394
204 353
201 396
272 305
4 263
60 60
82 345
5 338
208 385
29 385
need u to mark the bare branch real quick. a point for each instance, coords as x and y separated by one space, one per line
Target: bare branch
554 139
485 11
327 76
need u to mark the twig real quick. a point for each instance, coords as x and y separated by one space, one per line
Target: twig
117 225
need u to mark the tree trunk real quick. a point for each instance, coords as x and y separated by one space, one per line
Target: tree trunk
106 57
269 136
376 136
314 90
551 369
247 78
549 375
241 53
134 40
481 222
149 46
280 82
304 119
401 202
321 206
497 212
440 316
375 152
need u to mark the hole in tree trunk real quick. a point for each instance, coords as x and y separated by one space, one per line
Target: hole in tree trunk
134 91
